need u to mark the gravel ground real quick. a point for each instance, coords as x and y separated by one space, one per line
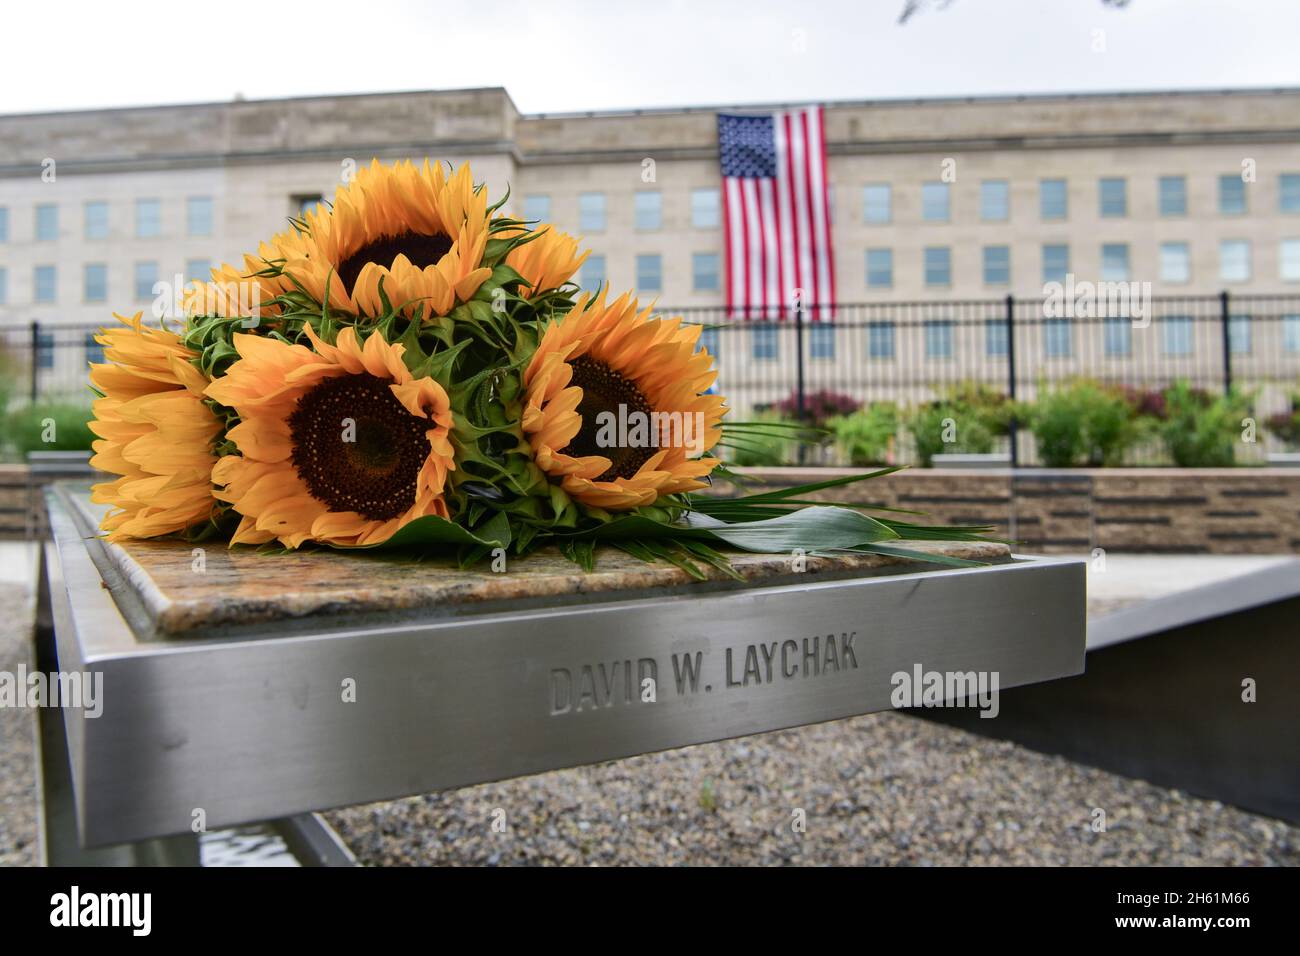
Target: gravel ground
18 826
885 789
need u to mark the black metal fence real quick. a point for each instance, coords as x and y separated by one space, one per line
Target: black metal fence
911 352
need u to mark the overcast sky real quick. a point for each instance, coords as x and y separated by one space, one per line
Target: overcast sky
581 55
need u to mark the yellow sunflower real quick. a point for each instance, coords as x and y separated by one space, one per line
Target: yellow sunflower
423 234
338 443
548 261
614 405
154 431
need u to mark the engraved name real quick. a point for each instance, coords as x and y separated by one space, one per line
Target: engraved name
630 683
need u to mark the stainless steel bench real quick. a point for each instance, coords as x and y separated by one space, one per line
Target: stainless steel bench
242 687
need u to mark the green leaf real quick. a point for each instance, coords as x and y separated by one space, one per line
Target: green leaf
434 530
819 527
581 552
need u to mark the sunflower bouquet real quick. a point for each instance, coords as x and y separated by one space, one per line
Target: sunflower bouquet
411 367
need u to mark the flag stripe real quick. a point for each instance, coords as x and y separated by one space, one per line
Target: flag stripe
736 275
753 248
829 254
817 207
785 238
792 187
771 250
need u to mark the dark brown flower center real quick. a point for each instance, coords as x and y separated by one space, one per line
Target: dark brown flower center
357 448
610 396
421 250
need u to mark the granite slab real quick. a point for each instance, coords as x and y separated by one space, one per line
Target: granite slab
181 589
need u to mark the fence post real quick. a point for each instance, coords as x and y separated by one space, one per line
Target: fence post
1225 319
1011 376
36 361
798 354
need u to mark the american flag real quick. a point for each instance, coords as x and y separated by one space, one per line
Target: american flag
776 215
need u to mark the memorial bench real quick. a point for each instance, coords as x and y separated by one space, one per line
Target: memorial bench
241 687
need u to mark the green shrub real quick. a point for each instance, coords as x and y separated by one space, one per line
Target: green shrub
933 422
863 437
1202 430
1083 423
29 426
9 368
992 407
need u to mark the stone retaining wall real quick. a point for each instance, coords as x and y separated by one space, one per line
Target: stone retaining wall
1171 510
22 503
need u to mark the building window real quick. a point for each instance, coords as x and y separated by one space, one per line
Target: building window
593 273
938 338
1114 198
4 223
1114 262
1234 260
763 343
649 273
1175 262
146 276
1232 195
1058 338
934 202
1291 333
649 210
1288 259
47 222
995 200
94 351
938 265
303 203
95 282
880 340
704 272
591 212
198 270
4 285
1288 193
1178 339
995 338
1239 334
537 208
45 350
997 265
821 340
198 216
44 284
1117 336
880 268
96 214
1056 262
877 204
706 210
148 218
1173 195
1052 199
